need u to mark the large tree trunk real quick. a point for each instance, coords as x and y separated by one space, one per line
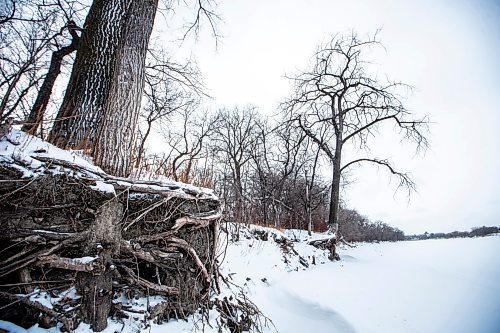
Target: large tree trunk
335 195
337 160
93 71
116 132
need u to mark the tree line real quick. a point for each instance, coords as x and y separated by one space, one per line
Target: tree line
475 232
125 94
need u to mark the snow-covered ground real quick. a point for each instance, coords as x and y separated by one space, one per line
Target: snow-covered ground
420 286
415 286
34 157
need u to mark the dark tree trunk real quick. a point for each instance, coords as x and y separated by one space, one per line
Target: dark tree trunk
309 194
337 159
238 191
335 195
93 71
116 131
42 100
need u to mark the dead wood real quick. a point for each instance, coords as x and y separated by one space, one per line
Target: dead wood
159 242
328 244
136 280
68 324
68 264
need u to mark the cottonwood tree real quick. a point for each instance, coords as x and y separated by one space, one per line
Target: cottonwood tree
108 74
101 105
337 102
113 147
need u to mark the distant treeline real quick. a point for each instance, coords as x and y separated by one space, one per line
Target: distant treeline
354 227
476 232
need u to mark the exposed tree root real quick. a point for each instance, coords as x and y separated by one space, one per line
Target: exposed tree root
58 228
328 244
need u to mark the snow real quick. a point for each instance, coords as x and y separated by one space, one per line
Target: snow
85 260
421 286
103 187
447 285
23 157
12 328
31 147
45 298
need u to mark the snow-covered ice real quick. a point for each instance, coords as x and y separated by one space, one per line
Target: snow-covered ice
421 286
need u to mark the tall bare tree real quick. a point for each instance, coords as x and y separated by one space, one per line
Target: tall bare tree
337 102
235 136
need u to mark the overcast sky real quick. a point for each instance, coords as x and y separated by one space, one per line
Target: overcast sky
448 50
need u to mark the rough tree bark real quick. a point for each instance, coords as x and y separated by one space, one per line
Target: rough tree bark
93 71
333 214
116 132
97 289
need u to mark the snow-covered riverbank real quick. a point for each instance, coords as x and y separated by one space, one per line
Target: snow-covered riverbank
427 286
419 286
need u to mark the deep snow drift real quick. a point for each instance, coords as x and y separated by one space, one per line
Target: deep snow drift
415 286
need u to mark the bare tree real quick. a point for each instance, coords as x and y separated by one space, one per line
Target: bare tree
188 142
38 109
337 102
311 170
278 158
169 87
30 32
234 138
